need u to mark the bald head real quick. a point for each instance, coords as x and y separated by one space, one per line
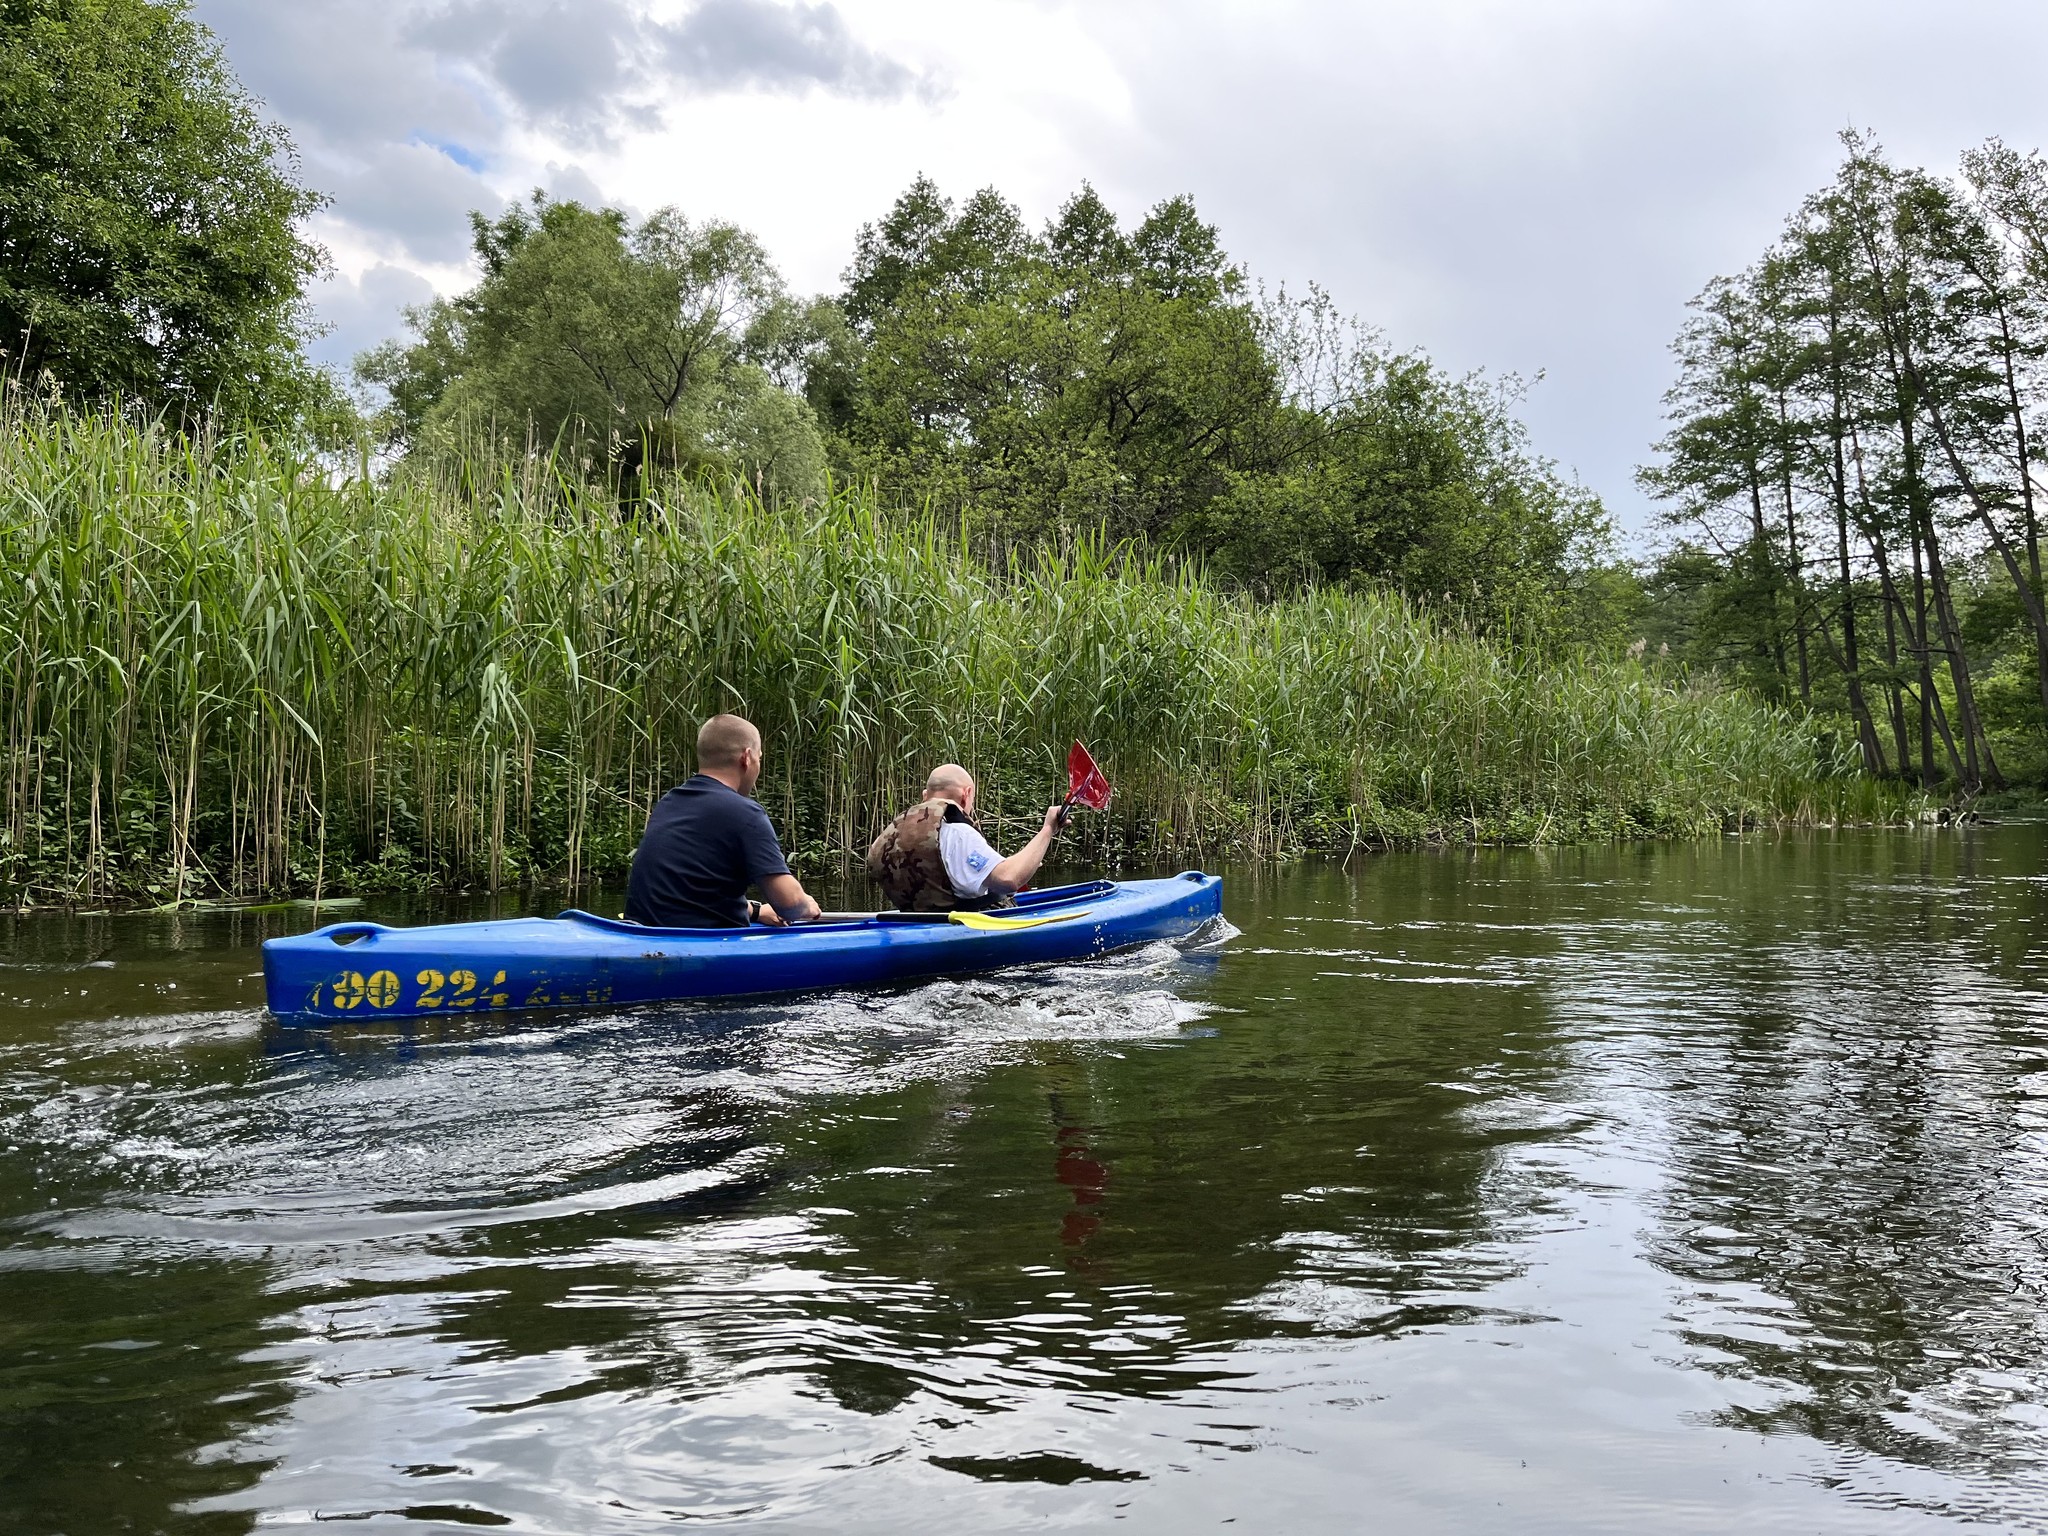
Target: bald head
949 781
723 740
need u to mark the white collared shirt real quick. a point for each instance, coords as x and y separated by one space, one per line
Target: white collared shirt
968 858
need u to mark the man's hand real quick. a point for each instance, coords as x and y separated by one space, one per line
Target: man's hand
1015 872
1055 818
788 900
763 913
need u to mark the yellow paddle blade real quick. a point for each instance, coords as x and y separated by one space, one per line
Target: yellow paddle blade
990 922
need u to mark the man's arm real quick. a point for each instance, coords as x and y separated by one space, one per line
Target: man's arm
788 902
1015 872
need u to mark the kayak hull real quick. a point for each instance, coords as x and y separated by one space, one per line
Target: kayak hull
358 972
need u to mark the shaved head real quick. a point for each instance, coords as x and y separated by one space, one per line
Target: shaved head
949 781
723 738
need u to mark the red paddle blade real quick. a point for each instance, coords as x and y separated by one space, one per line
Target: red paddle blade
1085 784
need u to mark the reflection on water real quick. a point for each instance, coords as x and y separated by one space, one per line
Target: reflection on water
1672 1188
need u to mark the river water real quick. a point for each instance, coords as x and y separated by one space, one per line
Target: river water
1687 1188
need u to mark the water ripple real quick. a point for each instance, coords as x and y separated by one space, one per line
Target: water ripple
1600 1190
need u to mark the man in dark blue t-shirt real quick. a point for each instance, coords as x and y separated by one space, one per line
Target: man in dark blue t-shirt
707 841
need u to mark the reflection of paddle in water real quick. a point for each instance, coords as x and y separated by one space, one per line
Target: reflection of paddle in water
1075 1166
1087 1178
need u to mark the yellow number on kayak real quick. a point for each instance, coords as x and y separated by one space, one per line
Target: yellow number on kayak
381 989
348 989
431 982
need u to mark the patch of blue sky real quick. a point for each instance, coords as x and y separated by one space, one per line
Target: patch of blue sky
469 159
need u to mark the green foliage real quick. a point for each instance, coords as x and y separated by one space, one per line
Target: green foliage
1424 482
223 668
148 217
1719 613
1853 459
1067 382
1089 376
636 346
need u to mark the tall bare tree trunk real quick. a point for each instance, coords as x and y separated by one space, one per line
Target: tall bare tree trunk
1908 397
1967 720
1762 550
1917 628
1895 705
1888 603
1794 565
1851 661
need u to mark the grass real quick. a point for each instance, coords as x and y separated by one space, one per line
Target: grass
228 669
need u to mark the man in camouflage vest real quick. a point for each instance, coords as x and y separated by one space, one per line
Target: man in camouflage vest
932 858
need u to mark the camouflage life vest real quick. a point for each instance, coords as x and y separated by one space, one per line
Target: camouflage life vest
906 862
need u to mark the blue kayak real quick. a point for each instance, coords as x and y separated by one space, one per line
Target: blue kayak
354 972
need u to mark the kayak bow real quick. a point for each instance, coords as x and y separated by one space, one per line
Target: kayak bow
360 971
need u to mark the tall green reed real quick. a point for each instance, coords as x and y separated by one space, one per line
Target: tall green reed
225 667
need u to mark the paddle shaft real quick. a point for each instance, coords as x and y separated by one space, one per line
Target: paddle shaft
883 917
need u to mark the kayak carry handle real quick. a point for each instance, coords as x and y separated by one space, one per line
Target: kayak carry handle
348 933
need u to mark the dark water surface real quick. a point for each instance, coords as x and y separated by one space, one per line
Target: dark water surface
1678 1189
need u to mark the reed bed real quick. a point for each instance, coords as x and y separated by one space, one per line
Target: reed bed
230 669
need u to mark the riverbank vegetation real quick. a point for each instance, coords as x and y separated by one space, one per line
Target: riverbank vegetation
225 668
1854 465
1008 485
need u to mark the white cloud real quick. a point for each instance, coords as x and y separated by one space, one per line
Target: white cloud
412 201
361 311
767 45
572 184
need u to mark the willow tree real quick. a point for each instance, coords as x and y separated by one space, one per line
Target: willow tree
619 341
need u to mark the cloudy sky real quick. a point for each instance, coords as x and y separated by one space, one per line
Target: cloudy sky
1529 186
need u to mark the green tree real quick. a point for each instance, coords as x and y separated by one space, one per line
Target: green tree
149 217
1073 379
1379 465
660 340
1720 458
